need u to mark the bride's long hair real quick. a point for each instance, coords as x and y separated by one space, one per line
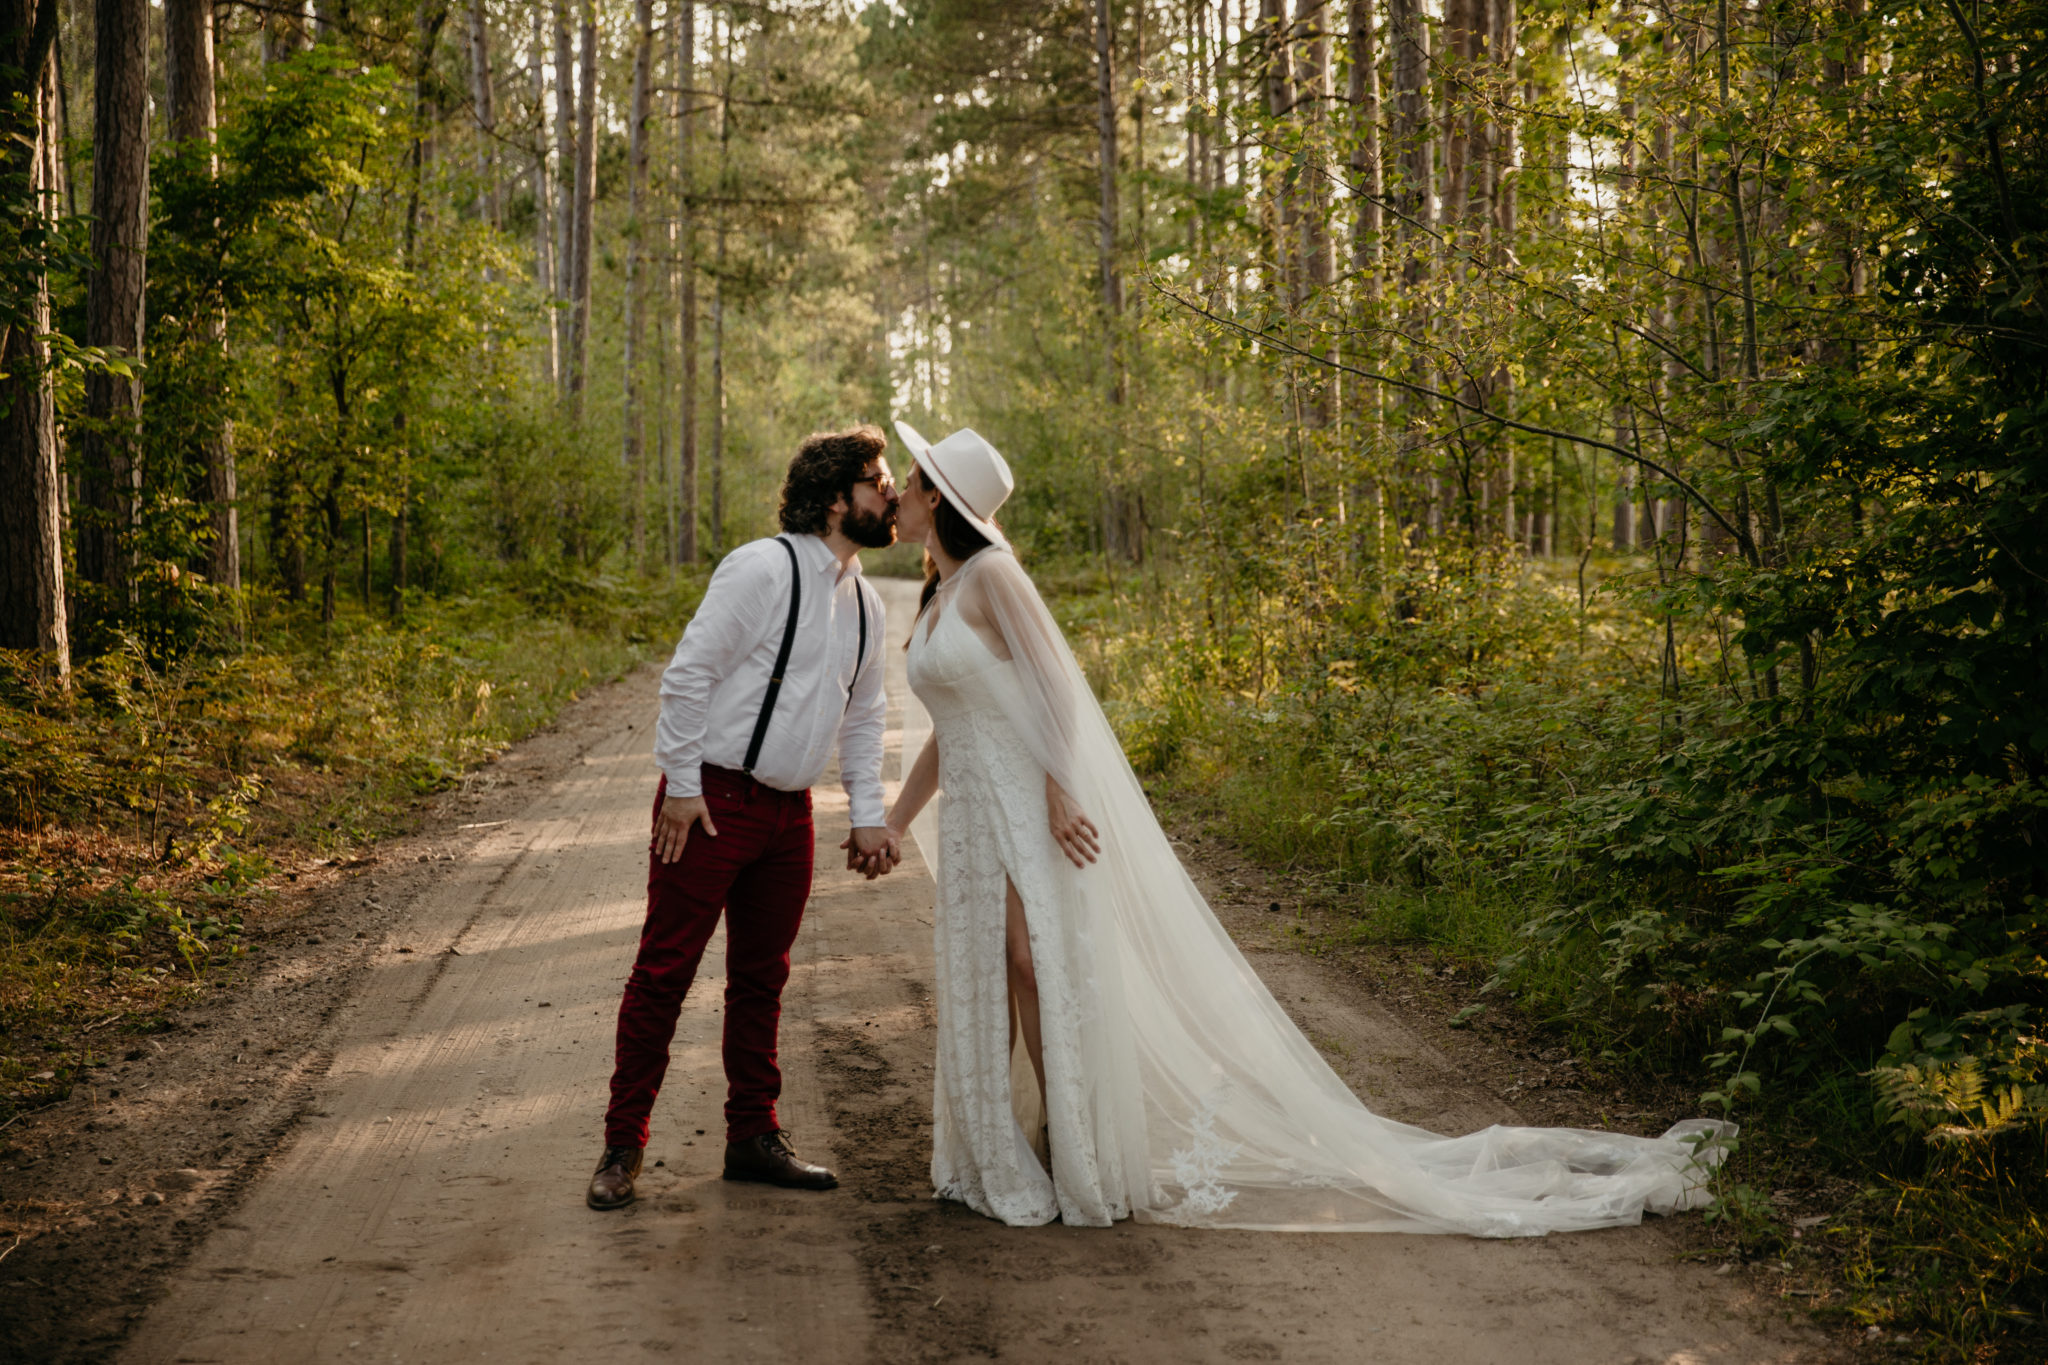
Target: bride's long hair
956 537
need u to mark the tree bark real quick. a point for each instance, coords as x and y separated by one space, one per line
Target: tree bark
686 322
483 98
1276 80
1367 173
1106 159
188 78
1119 530
32 606
1415 137
545 258
112 474
1507 147
1414 199
636 254
1368 255
1503 151
1312 25
718 306
1454 63
586 194
565 180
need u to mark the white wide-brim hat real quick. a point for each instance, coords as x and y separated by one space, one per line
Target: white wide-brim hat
969 473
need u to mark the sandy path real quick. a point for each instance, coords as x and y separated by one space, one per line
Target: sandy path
430 1206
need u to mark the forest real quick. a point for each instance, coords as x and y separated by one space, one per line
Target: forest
1569 477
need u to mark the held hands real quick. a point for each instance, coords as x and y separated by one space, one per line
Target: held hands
1072 830
873 850
672 830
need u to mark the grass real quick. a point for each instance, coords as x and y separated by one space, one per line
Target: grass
147 812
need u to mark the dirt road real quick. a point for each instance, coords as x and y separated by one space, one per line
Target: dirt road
428 1205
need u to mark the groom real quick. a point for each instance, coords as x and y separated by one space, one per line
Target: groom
783 657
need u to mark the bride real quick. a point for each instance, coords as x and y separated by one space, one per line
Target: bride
1084 983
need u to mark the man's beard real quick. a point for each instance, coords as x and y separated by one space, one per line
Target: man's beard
869 530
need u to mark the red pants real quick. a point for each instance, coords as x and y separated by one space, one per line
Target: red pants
758 872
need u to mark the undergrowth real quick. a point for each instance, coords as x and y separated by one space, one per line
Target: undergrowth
149 810
1819 917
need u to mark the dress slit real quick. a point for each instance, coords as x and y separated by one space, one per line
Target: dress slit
1027 1080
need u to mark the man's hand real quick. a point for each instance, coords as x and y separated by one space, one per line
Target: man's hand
672 830
873 850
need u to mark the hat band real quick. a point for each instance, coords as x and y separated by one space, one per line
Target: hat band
947 486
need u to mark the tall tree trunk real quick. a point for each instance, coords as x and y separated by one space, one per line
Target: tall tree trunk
1414 198
1502 152
1453 66
428 21
188 77
1415 136
565 180
546 262
1106 160
1119 529
114 292
1276 79
636 256
483 98
686 322
718 298
32 606
1312 25
586 195
1368 250
1507 148
1368 175
1196 125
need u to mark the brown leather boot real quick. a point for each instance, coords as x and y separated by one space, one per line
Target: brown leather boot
770 1160
612 1186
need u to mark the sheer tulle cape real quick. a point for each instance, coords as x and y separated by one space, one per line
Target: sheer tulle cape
1240 1122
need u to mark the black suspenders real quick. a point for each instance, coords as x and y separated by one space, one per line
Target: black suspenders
796 592
860 651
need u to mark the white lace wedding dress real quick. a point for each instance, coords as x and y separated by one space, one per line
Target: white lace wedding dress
1176 1089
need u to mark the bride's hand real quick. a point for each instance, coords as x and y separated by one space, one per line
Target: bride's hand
1072 830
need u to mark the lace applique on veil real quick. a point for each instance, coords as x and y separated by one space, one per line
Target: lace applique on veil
1198 1167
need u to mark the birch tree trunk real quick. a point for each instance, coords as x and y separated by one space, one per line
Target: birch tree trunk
32 606
545 260
112 475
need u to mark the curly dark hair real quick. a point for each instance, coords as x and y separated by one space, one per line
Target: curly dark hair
823 472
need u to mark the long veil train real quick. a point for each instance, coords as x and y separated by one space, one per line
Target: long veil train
1242 1123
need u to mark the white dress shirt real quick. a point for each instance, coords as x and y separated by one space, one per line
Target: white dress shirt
712 690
